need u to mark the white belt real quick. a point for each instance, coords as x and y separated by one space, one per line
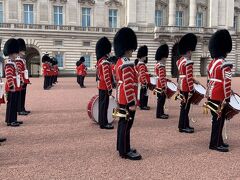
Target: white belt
182 76
216 80
120 82
134 84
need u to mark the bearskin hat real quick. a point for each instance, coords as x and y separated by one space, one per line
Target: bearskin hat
103 47
187 43
220 44
22 45
82 59
142 51
162 52
78 63
124 40
136 62
45 58
10 47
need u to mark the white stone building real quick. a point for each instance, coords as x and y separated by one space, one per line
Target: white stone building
69 29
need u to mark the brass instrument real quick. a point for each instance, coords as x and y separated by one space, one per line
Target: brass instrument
210 105
180 97
117 114
157 90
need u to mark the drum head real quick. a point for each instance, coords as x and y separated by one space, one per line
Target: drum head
111 106
153 80
172 86
235 101
199 88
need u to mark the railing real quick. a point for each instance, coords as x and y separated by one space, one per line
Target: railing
163 29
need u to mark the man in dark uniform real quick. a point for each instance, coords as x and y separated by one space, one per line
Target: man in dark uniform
187 45
22 68
143 77
219 86
125 42
161 86
13 82
46 71
103 49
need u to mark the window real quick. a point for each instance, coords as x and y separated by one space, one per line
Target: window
235 23
86 17
58 15
179 18
199 20
58 43
112 18
87 60
158 18
59 58
28 13
1 12
86 43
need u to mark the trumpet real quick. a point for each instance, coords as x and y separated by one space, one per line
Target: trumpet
157 90
180 97
217 109
117 114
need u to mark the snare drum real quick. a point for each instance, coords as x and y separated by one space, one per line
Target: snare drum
153 83
198 94
92 108
233 107
171 89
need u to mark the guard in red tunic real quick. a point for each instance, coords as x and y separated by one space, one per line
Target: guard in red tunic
143 77
55 70
82 72
78 63
219 85
22 69
46 71
161 86
13 86
187 45
125 42
103 49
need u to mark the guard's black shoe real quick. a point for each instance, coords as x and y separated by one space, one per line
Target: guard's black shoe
133 150
166 115
219 148
108 126
145 108
191 127
225 145
162 117
13 124
27 112
186 130
22 113
3 139
132 156
19 122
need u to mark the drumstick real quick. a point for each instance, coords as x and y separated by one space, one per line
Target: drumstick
235 98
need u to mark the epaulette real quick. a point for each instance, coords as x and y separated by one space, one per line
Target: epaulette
227 64
139 63
127 64
105 61
189 62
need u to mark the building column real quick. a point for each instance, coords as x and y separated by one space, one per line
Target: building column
131 12
213 13
172 13
192 13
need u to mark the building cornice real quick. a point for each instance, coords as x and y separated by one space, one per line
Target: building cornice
89 2
113 2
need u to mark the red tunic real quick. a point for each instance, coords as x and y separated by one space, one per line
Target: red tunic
143 75
22 70
125 76
219 80
46 69
12 77
104 74
160 71
55 70
81 70
185 70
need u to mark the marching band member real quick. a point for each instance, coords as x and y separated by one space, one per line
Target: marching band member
161 86
125 42
55 70
78 63
219 85
23 72
13 86
82 72
103 49
144 78
187 45
46 71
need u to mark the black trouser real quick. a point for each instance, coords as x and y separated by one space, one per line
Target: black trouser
78 79
123 131
185 107
12 104
51 80
21 98
103 107
81 80
143 97
160 104
217 126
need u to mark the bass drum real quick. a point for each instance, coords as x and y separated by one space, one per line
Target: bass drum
92 108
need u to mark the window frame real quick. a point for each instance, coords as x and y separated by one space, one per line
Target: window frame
112 17
90 60
178 18
158 20
28 21
86 20
197 19
58 13
62 55
2 11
